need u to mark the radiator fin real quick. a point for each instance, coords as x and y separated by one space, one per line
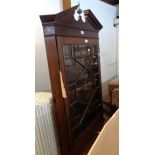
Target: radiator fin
45 133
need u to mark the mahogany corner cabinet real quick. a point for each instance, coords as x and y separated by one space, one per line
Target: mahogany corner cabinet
72 47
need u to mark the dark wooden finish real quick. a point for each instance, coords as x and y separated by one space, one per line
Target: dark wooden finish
68 31
74 66
64 24
92 129
112 2
53 64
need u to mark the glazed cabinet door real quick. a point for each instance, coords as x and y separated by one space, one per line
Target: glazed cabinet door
81 85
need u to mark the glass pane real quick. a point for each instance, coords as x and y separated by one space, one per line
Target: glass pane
83 83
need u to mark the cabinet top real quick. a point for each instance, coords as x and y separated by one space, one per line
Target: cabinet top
66 19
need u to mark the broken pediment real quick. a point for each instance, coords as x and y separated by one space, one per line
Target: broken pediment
85 21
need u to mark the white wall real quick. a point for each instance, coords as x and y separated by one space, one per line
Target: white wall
117 10
117 41
105 13
42 81
117 49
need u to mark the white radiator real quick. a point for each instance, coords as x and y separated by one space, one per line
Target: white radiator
45 134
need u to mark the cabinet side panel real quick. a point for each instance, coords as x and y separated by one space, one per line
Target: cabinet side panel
53 64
